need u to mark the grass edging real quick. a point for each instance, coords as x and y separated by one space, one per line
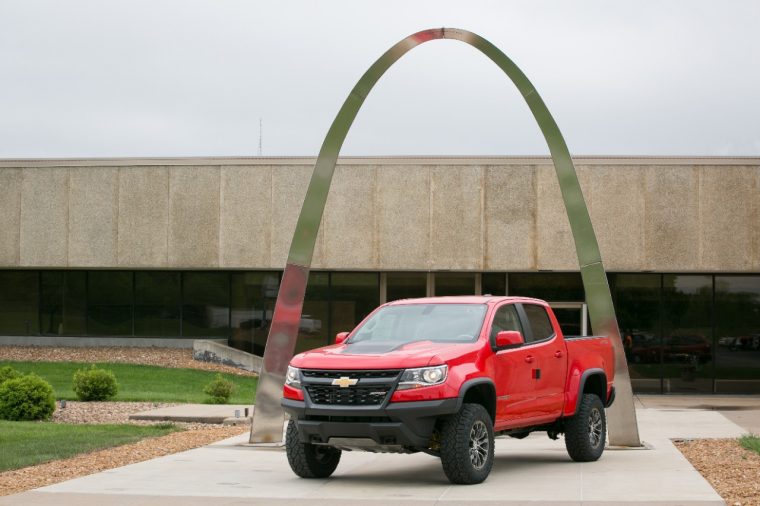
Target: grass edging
750 442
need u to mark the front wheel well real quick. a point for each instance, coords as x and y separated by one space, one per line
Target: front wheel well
483 394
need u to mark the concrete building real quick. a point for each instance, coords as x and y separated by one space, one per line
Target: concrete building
191 248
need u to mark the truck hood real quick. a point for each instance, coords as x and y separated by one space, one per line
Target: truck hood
381 355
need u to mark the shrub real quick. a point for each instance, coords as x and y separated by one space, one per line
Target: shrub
95 384
26 398
8 373
220 390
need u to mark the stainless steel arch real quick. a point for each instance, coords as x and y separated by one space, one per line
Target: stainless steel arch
268 416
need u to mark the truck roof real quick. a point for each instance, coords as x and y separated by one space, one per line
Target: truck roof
466 299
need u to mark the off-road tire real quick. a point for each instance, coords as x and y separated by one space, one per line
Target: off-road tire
472 425
308 460
586 431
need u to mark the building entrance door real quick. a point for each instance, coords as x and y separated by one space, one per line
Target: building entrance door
572 317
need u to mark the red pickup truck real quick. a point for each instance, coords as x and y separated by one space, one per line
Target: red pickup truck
444 375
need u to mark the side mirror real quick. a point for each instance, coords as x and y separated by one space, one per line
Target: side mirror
507 338
341 337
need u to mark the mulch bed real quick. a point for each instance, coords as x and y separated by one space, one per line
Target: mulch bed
731 469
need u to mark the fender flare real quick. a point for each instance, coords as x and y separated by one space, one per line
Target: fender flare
582 384
467 385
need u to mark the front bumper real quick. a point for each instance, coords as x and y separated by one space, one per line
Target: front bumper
408 424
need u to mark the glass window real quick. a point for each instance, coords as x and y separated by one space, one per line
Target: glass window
19 305
540 325
353 295
205 304
63 303
494 283
687 333
737 316
315 325
253 298
423 322
454 283
637 305
548 286
157 304
109 303
405 285
504 319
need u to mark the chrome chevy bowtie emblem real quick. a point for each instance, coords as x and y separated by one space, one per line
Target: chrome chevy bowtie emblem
345 382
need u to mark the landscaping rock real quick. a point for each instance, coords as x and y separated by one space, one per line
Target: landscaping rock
163 357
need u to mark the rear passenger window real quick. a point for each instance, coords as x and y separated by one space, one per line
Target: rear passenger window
539 322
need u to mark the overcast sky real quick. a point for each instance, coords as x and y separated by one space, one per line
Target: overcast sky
192 78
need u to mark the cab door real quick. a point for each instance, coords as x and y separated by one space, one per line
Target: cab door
546 352
515 388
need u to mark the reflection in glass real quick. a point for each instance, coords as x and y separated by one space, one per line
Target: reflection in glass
353 295
157 303
109 303
637 304
253 298
540 325
494 283
206 304
687 333
549 286
737 314
454 283
315 324
569 320
19 303
63 303
405 285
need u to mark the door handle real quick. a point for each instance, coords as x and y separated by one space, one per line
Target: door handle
558 354
529 359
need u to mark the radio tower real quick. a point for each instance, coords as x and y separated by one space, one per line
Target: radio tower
261 135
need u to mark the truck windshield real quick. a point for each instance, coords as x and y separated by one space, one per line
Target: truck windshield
454 323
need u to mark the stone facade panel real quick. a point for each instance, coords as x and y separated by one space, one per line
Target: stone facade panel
245 216
44 217
10 210
143 217
194 216
510 218
93 216
403 217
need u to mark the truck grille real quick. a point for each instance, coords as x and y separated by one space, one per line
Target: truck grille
356 396
329 373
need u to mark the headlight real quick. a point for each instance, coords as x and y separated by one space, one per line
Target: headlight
423 377
293 377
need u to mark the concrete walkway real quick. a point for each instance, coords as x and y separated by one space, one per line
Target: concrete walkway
534 470
743 410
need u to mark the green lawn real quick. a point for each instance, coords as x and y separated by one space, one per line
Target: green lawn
141 382
30 443
750 442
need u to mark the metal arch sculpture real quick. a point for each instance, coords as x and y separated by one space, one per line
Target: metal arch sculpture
268 416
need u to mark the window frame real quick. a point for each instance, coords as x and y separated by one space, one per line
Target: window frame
526 324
